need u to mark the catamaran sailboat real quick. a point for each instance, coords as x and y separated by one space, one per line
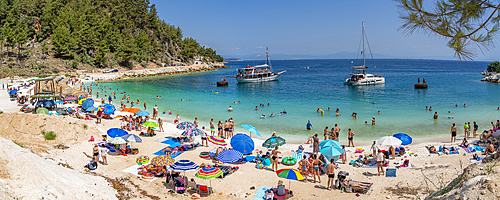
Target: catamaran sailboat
359 75
258 73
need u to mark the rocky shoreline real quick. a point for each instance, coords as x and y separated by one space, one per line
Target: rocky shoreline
157 71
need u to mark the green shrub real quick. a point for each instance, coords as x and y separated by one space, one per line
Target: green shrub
55 70
85 126
49 135
74 64
494 67
10 59
143 64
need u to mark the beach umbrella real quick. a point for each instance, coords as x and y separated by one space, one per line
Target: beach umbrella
251 129
208 173
405 138
229 156
290 174
185 125
87 103
81 101
389 141
61 111
184 166
242 143
162 160
132 138
92 109
331 152
217 140
108 108
132 110
70 99
329 143
192 132
12 92
117 140
121 113
42 111
142 113
150 124
116 132
69 105
274 142
59 102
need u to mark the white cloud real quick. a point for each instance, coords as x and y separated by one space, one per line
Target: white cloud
259 47
236 48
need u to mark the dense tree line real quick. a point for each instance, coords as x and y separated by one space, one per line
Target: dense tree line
97 32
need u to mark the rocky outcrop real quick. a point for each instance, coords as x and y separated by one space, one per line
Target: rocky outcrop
492 77
158 71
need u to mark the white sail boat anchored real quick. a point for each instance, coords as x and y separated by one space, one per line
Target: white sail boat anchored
258 73
359 76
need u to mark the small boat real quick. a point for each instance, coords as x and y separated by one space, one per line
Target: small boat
421 86
259 73
222 83
359 76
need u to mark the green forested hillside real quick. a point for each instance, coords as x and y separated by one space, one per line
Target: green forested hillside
100 33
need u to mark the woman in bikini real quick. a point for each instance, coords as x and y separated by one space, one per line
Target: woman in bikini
304 166
316 164
274 161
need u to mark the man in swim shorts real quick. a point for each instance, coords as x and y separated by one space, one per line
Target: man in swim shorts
435 115
212 127
95 152
380 160
350 137
309 126
453 133
226 129
337 130
331 173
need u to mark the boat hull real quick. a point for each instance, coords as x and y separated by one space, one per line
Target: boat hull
375 81
258 80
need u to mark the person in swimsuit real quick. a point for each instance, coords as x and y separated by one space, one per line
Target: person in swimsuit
331 173
212 127
453 133
95 152
337 130
304 165
466 130
226 129
355 184
326 132
160 124
315 144
490 149
350 137
219 128
274 161
435 115
316 164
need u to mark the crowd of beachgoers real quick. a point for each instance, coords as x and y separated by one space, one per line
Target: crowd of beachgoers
182 153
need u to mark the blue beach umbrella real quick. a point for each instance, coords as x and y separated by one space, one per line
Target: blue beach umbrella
12 92
132 138
251 129
325 143
59 102
406 139
92 109
331 151
184 166
116 132
142 113
47 103
87 103
242 143
108 108
229 156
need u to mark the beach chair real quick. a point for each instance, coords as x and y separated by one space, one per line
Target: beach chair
203 189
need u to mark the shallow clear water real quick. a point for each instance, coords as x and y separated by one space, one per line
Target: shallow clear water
301 91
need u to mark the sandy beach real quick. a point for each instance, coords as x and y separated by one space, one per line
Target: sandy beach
70 151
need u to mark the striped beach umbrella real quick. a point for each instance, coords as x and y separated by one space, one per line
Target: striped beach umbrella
274 142
162 160
192 132
290 174
184 166
185 125
217 140
209 173
229 156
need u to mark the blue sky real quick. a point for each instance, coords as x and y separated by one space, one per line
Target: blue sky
303 29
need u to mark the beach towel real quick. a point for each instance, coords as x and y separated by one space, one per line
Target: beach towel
390 173
134 169
473 161
469 149
479 148
261 192
159 153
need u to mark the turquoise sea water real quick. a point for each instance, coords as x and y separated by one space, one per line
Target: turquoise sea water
301 91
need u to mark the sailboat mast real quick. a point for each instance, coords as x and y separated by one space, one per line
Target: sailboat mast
363 36
267 56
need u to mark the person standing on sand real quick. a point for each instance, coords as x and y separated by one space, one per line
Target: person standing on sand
466 130
304 168
453 133
315 144
380 160
344 154
104 155
309 126
325 132
316 165
231 126
274 161
226 129
330 168
475 129
337 130
212 127
160 124
144 105
374 149
196 122
203 137
219 128
350 137
95 152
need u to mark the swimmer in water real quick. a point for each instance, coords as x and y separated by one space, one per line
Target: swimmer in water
328 108
374 102
272 114
182 99
263 116
464 105
435 115
430 108
449 111
256 108
427 108
337 114
284 111
230 109
447 117
170 112
164 111
378 113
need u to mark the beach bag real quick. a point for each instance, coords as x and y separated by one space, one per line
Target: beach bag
406 163
92 165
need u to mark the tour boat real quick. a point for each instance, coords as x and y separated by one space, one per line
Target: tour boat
359 76
258 73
